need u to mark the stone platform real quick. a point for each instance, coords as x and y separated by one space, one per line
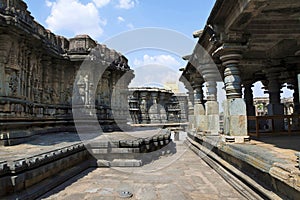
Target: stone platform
269 162
50 159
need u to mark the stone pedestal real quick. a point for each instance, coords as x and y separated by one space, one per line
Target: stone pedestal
212 117
199 109
200 117
235 117
192 121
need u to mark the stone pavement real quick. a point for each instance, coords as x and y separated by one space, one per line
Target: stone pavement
182 175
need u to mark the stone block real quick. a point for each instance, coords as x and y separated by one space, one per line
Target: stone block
213 124
191 122
235 139
199 109
103 163
212 108
235 117
201 122
99 151
125 150
126 163
238 125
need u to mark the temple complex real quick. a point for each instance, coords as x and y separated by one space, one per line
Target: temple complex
38 77
156 106
67 113
261 105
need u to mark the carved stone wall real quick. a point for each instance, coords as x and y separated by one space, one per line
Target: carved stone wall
156 106
38 72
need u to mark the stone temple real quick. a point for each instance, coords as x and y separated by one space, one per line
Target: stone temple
70 128
38 77
156 106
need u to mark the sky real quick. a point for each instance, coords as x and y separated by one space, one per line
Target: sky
130 21
104 18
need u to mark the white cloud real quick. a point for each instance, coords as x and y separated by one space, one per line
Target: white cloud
155 70
101 3
48 3
121 19
130 26
164 60
127 4
75 17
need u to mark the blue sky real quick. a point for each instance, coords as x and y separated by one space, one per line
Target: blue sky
182 16
104 20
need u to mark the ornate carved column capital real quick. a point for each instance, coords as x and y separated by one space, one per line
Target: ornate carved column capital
211 91
230 54
198 94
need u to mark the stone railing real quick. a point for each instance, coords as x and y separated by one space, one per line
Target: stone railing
274 119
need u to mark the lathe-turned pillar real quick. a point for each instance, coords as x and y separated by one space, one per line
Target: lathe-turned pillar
199 109
235 112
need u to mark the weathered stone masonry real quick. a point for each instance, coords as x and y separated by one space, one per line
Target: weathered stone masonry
245 42
37 74
156 106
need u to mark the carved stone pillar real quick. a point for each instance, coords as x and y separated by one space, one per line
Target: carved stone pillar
162 104
212 108
191 117
2 78
296 96
154 109
46 65
144 108
275 107
5 41
248 96
235 115
199 109
210 75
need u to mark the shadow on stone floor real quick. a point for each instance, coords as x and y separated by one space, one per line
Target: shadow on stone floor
67 183
54 139
286 142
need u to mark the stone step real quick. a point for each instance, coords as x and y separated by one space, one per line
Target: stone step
120 163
